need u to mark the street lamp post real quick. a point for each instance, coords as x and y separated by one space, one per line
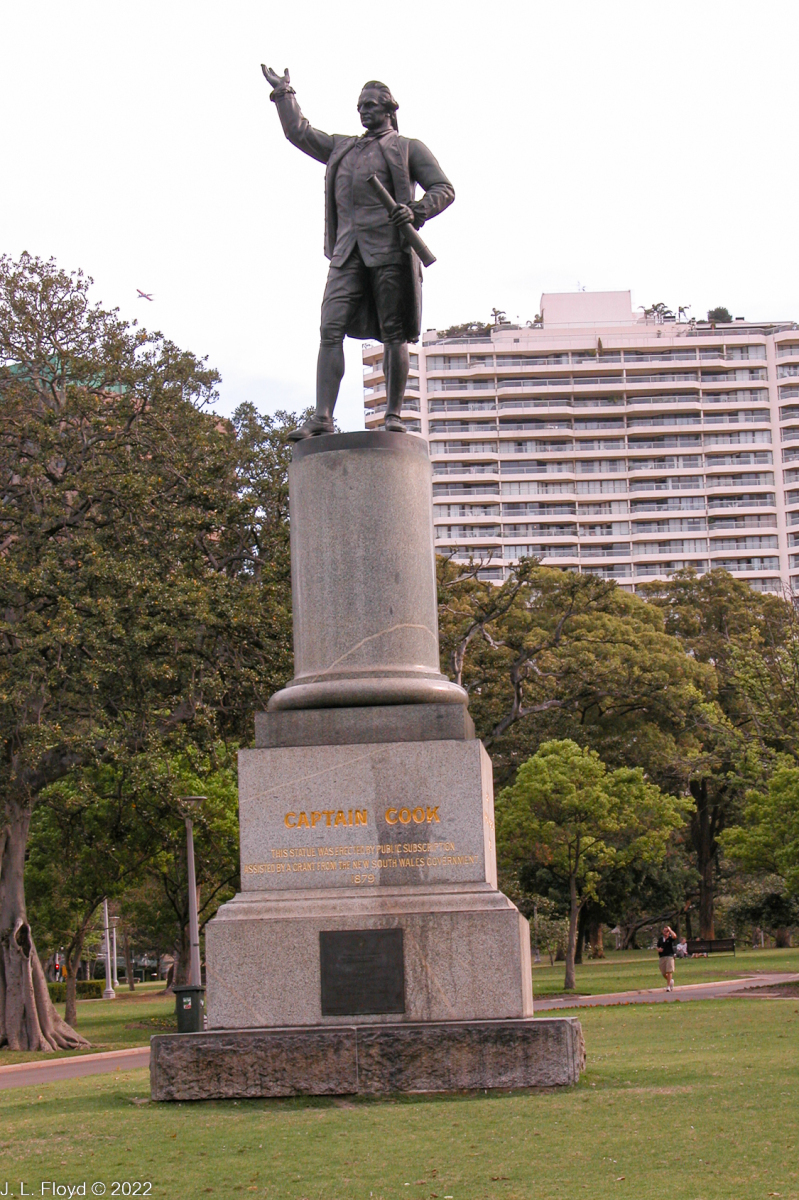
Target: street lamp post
108 993
114 942
190 803
188 997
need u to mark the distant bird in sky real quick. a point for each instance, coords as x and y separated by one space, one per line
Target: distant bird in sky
143 295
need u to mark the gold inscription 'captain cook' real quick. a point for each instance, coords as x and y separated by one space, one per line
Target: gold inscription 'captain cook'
294 820
360 816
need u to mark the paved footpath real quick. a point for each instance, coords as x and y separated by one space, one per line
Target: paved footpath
690 991
31 1074
49 1070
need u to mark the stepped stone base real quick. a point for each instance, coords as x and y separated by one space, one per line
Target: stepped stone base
466 955
367 1059
359 726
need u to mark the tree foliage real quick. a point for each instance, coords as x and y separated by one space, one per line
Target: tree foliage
749 640
554 654
144 591
568 813
767 840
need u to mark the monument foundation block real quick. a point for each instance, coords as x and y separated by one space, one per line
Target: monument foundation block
367 1060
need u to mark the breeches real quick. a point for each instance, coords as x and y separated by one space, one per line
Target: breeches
350 285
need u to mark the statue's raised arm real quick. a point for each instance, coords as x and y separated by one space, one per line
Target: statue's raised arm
297 129
374 286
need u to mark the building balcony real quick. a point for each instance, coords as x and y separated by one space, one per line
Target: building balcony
739 396
459 385
661 379
454 468
676 483
665 398
752 500
617 550
738 566
482 448
554 402
635 357
540 551
741 437
461 406
619 571
661 569
507 385
409 404
667 419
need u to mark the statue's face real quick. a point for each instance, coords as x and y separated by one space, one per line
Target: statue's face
372 110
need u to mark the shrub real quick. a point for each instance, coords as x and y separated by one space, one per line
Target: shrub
87 989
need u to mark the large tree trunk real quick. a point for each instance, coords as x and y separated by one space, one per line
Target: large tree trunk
596 936
705 824
782 939
574 916
582 927
28 1019
74 956
71 1007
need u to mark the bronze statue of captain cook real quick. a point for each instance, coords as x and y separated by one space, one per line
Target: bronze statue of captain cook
374 286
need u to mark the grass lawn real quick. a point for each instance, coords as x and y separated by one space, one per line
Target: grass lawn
133 1017
691 1102
130 1020
630 970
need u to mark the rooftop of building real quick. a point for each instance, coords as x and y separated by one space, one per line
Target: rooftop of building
562 315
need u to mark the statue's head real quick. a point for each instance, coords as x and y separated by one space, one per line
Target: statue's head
375 103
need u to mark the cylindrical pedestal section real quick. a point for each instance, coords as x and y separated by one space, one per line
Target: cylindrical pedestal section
363 575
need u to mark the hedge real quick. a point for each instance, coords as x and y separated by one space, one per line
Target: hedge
87 989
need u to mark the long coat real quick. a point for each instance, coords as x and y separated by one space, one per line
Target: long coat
409 162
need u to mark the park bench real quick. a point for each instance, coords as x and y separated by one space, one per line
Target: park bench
711 946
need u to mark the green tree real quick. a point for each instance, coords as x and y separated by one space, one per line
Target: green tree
216 847
87 841
767 840
144 590
751 643
567 812
470 329
720 315
659 312
554 654
765 904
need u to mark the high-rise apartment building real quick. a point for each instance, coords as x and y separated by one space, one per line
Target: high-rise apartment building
621 445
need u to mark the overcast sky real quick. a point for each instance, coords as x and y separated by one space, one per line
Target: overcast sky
610 145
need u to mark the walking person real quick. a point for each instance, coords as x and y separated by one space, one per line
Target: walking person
666 946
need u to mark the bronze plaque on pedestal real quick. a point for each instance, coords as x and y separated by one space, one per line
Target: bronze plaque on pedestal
363 972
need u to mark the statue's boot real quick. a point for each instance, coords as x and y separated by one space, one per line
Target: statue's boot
392 421
396 362
320 422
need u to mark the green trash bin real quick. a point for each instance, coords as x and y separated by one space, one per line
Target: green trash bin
189 1005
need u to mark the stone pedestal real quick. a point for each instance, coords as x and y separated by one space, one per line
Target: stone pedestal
373 836
369 948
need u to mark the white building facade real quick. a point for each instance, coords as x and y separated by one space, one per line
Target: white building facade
611 443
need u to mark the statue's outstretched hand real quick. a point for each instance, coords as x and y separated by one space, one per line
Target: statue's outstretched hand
273 79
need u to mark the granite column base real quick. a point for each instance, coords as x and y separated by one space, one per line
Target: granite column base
367 1060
